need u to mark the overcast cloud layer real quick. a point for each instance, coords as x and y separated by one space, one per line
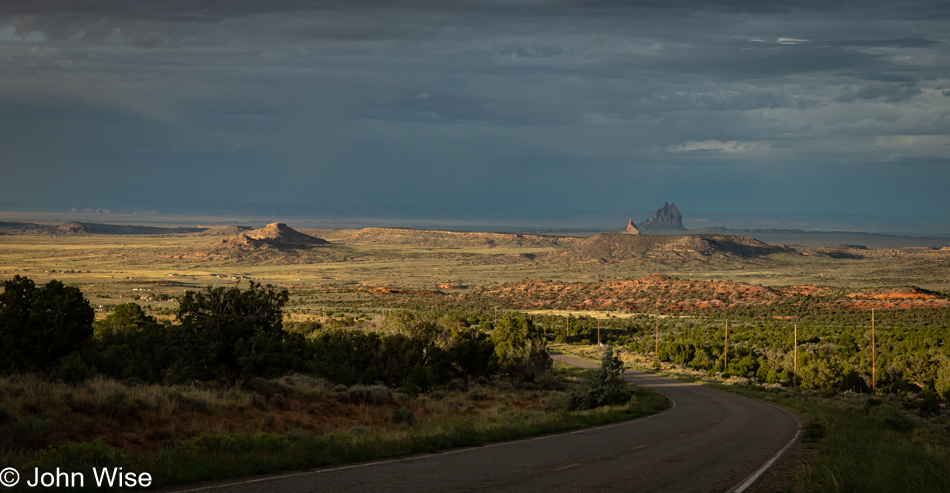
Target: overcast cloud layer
485 106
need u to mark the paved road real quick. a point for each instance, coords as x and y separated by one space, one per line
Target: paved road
709 441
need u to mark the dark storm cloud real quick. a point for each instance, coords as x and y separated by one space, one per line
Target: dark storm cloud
881 43
435 101
888 92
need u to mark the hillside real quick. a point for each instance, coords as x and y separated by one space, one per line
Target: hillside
223 230
623 247
445 239
826 238
21 228
274 235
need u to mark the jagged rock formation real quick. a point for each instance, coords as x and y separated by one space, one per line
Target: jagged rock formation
631 229
666 218
274 235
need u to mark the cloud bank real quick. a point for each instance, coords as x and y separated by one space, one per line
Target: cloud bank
491 107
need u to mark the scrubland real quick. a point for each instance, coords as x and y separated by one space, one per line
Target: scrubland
575 292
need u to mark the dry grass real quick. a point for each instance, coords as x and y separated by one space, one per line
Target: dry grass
115 269
118 261
146 417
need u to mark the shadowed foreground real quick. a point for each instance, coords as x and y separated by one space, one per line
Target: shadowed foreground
709 441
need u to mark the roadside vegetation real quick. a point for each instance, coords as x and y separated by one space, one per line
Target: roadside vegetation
834 353
864 443
229 391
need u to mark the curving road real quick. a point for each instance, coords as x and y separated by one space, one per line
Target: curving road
708 441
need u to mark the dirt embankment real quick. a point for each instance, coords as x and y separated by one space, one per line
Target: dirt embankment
902 298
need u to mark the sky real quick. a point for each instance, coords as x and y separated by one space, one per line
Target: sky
477 109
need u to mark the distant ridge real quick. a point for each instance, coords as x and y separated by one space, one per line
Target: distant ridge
19 228
830 238
436 238
224 230
76 228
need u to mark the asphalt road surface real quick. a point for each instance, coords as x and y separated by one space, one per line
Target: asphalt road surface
708 441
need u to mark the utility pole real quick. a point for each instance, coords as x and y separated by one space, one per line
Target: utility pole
598 331
726 360
568 325
873 357
656 320
795 374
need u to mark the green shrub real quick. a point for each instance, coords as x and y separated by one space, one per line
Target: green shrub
559 401
26 433
267 389
404 415
374 395
891 418
549 381
77 456
478 395
601 386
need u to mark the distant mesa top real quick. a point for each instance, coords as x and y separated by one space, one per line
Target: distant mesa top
274 235
666 218
283 233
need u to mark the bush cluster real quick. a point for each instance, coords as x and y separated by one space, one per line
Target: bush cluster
236 337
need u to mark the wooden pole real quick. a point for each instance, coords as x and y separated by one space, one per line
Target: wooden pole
873 357
726 360
656 320
795 374
568 325
598 331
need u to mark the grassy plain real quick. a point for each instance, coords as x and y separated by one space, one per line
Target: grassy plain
341 280
112 269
